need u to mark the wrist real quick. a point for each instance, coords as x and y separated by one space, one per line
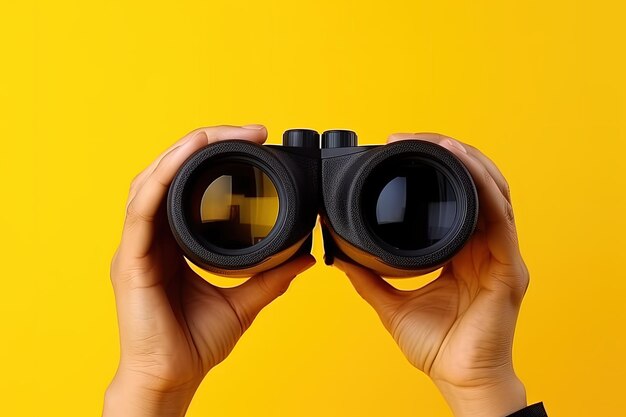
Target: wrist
131 397
498 398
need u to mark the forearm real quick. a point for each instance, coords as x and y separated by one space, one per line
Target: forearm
130 399
492 400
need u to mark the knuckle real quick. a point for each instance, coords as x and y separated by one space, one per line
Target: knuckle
113 267
473 148
264 287
211 131
133 214
524 277
113 272
508 213
281 290
506 190
131 211
135 182
515 279
486 176
134 277
243 315
117 273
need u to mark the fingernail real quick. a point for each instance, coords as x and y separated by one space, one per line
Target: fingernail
253 127
455 144
201 135
192 142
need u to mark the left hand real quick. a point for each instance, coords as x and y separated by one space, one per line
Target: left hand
175 326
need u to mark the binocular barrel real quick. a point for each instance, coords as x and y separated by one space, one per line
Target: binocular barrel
237 208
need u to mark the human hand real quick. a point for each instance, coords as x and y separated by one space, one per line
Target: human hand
175 326
459 328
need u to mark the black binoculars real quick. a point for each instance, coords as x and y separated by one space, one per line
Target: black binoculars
237 208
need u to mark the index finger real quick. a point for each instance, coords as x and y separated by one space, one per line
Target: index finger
493 195
254 132
439 139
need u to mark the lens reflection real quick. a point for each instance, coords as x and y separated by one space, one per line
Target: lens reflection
409 203
233 205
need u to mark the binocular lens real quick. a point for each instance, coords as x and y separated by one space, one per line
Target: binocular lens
409 203
232 205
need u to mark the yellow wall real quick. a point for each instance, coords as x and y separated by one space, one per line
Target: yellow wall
92 91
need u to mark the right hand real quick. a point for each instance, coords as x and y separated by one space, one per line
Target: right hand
459 328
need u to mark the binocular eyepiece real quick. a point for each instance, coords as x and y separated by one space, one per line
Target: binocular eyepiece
237 208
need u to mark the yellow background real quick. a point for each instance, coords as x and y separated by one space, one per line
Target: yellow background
92 91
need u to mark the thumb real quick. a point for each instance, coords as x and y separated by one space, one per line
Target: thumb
250 297
371 287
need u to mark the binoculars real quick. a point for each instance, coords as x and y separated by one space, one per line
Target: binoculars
237 208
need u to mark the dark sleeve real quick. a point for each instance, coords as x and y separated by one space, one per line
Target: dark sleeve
535 410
